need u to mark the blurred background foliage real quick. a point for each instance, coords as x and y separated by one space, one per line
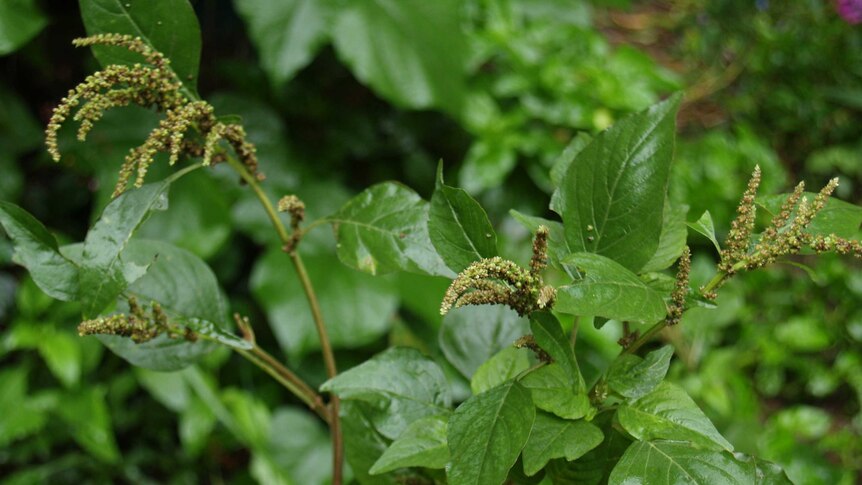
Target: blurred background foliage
339 95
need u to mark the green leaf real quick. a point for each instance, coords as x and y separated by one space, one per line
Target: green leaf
613 194
62 353
196 423
705 226
609 290
36 249
168 26
357 308
21 417
633 377
412 52
385 229
553 391
558 247
553 437
549 336
287 33
214 333
503 366
459 227
402 382
672 240
471 335
299 444
669 413
673 462
20 21
594 467
487 433
764 472
104 272
422 444
564 161
363 444
87 417
187 289
837 217
168 388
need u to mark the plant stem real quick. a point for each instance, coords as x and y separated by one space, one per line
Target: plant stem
575 324
326 347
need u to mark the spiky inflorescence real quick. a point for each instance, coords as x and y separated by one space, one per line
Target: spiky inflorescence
500 281
139 324
296 208
680 290
153 85
738 238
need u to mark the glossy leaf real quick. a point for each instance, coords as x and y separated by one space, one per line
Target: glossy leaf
705 226
612 196
422 444
553 391
672 240
363 444
594 467
549 336
287 33
608 290
552 437
633 377
36 249
385 229
169 26
459 227
673 462
764 472
558 247
669 413
487 433
503 366
411 52
471 335
20 21
401 381
357 307
837 217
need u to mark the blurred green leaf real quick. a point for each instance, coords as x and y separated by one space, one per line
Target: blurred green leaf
422 444
487 433
62 352
21 417
803 334
168 26
633 377
705 226
20 21
612 196
363 444
470 335
299 444
552 437
196 423
88 419
20 132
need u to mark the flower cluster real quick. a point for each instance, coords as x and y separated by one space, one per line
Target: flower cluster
151 85
680 290
499 281
294 206
140 325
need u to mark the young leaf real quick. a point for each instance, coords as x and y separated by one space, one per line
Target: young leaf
20 21
553 437
168 26
487 433
287 33
422 444
505 365
412 52
36 249
705 226
613 194
672 240
552 390
401 380
608 290
673 462
385 229
459 227
549 336
471 335
669 413
104 273
633 377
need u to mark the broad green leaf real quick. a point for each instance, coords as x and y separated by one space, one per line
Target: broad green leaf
169 26
487 433
553 437
471 335
669 413
558 247
287 33
459 227
763 472
564 161
357 308
594 467
422 444
104 271
553 391
363 444
673 462
412 52
385 229
61 351
402 382
187 289
837 217
88 419
168 388
299 444
20 21
549 336
503 366
36 249
705 226
21 417
608 290
633 377
672 240
612 196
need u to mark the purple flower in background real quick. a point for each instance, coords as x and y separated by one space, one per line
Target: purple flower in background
850 10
